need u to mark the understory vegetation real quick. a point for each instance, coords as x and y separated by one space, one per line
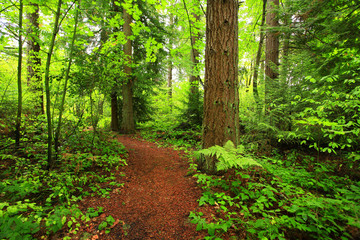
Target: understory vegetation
35 202
278 195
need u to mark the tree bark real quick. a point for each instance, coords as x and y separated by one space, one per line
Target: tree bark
19 110
47 87
34 60
272 51
128 123
221 100
114 112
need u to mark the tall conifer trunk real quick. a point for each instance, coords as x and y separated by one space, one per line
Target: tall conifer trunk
114 111
128 123
221 100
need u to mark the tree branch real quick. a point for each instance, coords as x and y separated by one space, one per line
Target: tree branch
7 8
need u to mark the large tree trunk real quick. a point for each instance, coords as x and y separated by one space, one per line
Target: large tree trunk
221 100
272 52
128 123
34 60
47 87
19 110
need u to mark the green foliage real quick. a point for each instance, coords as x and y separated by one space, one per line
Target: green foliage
177 138
105 225
281 201
330 124
314 103
33 198
210 227
15 223
230 157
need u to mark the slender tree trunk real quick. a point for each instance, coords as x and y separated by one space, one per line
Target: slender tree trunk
221 100
194 96
115 123
58 129
47 87
114 111
195 54
34 60
285 124
170 66
169 81
285 50
193 111
272 52
128 123
257 61
19 110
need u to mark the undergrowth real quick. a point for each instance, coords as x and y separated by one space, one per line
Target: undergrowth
35 202
280 200
184 139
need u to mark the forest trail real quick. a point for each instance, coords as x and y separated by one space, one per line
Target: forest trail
157 197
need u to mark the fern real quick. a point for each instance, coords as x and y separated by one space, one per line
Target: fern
229 156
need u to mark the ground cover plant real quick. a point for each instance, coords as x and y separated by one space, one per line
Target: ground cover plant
286 198
288 195
180 138
37 202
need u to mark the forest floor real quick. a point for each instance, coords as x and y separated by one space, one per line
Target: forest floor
156 199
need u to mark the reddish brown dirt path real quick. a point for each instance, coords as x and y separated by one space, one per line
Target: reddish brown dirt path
157 197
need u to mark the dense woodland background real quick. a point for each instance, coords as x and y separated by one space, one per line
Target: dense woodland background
73 70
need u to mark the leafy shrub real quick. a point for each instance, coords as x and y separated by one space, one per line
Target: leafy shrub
33 198
229 156
281 201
